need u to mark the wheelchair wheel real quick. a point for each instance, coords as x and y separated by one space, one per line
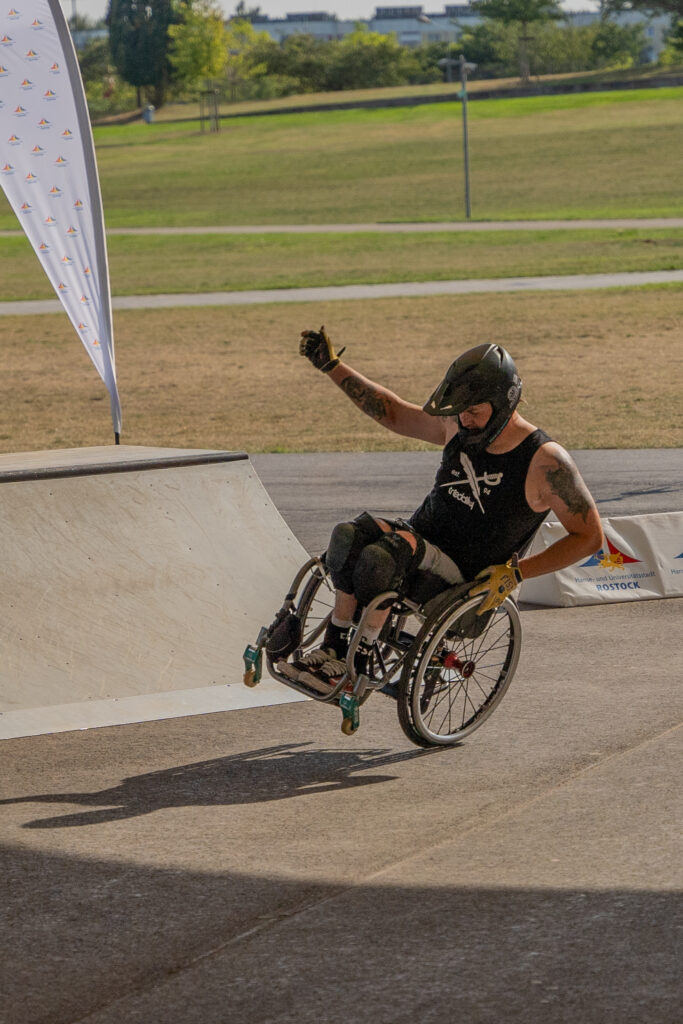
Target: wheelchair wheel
315 606
457 671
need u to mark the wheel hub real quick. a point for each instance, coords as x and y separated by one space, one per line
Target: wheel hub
464 668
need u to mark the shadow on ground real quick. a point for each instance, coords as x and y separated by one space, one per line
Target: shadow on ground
130 943
270 773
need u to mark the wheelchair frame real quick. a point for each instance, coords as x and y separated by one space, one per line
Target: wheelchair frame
426 668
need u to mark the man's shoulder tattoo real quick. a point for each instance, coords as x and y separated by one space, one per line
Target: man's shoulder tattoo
368 399
565 482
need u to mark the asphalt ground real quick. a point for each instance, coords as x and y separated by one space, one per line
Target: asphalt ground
258 866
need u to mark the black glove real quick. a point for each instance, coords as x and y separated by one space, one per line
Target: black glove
317 347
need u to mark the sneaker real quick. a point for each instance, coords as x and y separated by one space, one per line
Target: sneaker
320 669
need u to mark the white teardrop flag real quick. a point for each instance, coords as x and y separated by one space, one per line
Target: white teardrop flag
49 174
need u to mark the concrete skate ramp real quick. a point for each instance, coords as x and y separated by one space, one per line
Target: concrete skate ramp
132 580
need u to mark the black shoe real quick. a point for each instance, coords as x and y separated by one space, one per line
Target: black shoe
390 690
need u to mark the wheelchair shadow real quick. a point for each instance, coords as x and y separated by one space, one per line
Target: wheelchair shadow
271 773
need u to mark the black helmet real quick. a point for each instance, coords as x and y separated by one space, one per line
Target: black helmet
486 373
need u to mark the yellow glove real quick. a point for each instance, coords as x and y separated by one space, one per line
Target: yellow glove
498 582
317 347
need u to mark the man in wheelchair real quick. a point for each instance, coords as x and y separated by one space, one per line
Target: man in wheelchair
499 477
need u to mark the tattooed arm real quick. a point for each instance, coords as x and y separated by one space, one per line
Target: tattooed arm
555 484
387 408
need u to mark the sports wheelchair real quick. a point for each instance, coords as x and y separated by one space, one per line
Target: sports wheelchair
447 667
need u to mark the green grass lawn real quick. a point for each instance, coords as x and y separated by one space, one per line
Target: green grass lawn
201 263
598 155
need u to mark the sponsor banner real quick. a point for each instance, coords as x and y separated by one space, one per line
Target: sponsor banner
641 558
49 175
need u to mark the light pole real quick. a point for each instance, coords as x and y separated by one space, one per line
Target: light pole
448 63
465 68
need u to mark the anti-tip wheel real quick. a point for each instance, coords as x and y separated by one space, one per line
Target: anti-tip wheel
347 727
249 677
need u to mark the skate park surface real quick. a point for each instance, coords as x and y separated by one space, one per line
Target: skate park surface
255 865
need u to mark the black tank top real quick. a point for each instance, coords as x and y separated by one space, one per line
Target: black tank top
477 511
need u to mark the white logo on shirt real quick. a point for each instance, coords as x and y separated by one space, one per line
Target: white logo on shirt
472 481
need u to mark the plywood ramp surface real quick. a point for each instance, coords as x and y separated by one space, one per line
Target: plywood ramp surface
132 580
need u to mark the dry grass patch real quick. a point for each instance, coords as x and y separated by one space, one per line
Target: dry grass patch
601 370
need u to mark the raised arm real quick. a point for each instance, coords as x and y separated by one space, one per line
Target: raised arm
377 402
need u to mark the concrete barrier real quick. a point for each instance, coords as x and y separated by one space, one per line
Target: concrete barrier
131 580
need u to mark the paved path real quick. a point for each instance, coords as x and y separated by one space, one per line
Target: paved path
574 282
646 223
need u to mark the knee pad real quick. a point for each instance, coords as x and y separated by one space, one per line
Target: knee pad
384 565
346 544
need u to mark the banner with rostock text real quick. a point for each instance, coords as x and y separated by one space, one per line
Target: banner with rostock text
49 175
641 558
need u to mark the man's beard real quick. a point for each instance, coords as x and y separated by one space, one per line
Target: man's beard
470 437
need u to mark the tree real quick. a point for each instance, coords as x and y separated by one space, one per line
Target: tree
367 60
140 43
523 14
244 13
248 54
199 44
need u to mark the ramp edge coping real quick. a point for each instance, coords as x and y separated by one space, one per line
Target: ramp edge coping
132 466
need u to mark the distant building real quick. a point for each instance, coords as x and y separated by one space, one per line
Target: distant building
655 26
412 25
